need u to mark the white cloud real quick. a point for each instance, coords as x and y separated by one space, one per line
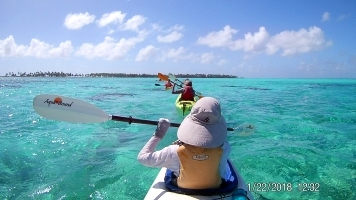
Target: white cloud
110 31
172 37
253 42
342 17
289 42
156 27
64 50
176 28
325 17
293 42
77 21
134 23
146 53
9 48
207 58
37 48
177 54
221 38
109 49
113 17
222 62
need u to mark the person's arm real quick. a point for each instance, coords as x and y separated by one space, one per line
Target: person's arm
167 157
177 91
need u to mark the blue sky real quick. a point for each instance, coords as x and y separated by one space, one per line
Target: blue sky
247 38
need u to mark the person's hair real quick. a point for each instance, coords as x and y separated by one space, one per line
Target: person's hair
178 142
188 83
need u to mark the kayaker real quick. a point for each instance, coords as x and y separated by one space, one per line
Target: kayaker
198 160
168 84
188 93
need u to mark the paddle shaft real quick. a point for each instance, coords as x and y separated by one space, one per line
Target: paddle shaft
138 121
179 81
180 85
144 121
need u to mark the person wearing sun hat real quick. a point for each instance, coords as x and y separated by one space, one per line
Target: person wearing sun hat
197 163
203 133
188 93
204 126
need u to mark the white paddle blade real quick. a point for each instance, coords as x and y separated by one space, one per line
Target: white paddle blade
245 129
67 109
171 76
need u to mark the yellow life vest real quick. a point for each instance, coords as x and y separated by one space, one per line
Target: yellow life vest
199 167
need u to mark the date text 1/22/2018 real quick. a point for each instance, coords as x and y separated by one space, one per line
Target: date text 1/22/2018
282 187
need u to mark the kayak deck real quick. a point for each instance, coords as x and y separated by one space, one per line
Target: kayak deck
184 107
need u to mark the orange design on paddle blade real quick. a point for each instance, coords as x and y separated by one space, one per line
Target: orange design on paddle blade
57 100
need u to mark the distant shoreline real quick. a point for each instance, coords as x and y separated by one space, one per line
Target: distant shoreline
112 75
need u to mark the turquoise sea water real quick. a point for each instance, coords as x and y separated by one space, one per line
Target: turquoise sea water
306 133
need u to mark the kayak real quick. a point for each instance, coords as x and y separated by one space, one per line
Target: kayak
184 107
159 191
168 88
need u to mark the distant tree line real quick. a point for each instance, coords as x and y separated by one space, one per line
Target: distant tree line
204 76
43 74
62 74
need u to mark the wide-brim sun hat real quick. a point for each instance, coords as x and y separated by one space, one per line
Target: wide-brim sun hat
204 126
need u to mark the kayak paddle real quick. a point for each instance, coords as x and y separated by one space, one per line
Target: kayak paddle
166 78
171 76
60 108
